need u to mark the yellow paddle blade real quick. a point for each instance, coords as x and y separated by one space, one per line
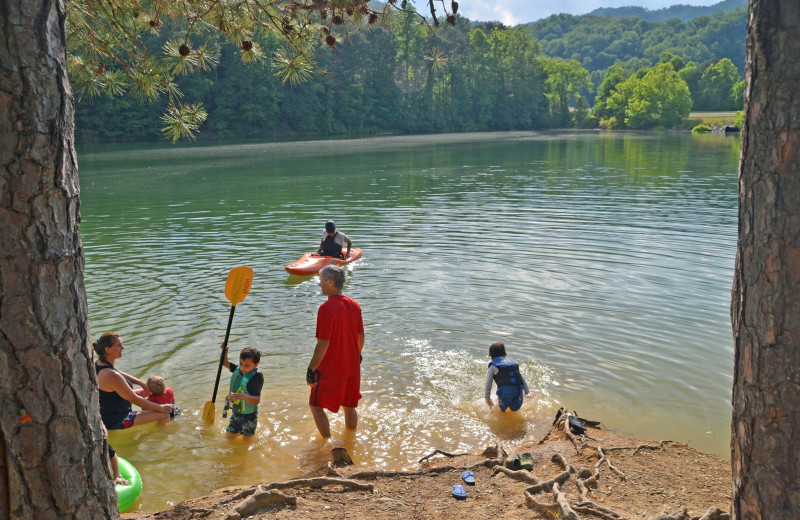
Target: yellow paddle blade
209 412
239 281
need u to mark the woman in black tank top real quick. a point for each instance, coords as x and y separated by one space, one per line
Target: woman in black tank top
116 389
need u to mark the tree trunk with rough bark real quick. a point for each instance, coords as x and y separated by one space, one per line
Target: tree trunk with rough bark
52 447
765 308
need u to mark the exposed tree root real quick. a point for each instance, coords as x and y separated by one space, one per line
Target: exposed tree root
586 480
331 471
586 483
561 461
449 455
680 514
715 513
240 495
578 444
548 484
613 468
542 507
590 508
318 482
488 463
257 501
521 474
563 504
373 475
649 447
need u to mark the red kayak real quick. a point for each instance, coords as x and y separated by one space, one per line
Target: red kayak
311 263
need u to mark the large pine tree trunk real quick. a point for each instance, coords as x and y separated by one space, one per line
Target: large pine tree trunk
53 465
765 307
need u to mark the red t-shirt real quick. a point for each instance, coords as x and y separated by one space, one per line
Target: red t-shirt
339 322
168 397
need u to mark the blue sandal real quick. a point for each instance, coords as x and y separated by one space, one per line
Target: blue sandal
459 492
468 477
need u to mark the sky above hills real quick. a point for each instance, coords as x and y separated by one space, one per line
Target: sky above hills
513 12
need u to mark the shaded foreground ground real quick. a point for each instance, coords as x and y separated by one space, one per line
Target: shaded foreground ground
623 479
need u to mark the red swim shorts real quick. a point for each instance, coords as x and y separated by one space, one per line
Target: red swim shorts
331 392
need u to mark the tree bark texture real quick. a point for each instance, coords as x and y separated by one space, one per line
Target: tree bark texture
52 447
765 307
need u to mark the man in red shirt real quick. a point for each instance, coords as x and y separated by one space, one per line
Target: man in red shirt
334 372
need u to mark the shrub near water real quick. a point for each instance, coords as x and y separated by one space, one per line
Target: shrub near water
701 129
738 122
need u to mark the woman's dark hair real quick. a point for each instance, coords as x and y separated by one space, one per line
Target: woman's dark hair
497 349
250 353
105 341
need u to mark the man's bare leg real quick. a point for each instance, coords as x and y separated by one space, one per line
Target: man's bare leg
350 417
321 420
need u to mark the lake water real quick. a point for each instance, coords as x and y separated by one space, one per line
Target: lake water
603 261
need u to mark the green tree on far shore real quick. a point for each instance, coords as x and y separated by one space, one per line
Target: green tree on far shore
565 82
719 88
660 98
654 97
610 103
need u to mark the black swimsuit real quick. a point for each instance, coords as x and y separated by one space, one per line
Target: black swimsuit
114 409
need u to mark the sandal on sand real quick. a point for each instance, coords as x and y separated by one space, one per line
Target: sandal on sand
459 492
526 461
468 477
514 462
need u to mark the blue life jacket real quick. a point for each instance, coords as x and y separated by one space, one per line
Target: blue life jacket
508 372
239 385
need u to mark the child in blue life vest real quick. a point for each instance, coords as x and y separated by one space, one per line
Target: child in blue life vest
245 391
511 386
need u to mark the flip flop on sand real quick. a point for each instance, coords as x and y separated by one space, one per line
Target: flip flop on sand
513 462
459 492
526 461
468 477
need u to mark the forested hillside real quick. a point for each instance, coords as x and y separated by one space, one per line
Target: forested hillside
396 77
390 78
599 42
681 11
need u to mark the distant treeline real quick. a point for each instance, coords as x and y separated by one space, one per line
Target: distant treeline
599 42
397 78
681 11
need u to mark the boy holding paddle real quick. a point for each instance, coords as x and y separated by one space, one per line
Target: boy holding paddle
245 391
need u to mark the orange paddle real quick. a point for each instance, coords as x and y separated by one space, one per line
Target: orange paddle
236 288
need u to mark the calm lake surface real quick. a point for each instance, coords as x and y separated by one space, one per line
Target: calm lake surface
603 261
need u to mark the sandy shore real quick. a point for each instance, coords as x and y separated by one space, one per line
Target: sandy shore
597 475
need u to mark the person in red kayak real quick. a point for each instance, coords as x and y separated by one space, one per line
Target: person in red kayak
332 240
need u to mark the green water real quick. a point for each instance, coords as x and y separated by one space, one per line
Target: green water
603 261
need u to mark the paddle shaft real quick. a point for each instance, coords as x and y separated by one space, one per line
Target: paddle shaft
223 354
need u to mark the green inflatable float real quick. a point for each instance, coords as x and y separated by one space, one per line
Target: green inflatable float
127 495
